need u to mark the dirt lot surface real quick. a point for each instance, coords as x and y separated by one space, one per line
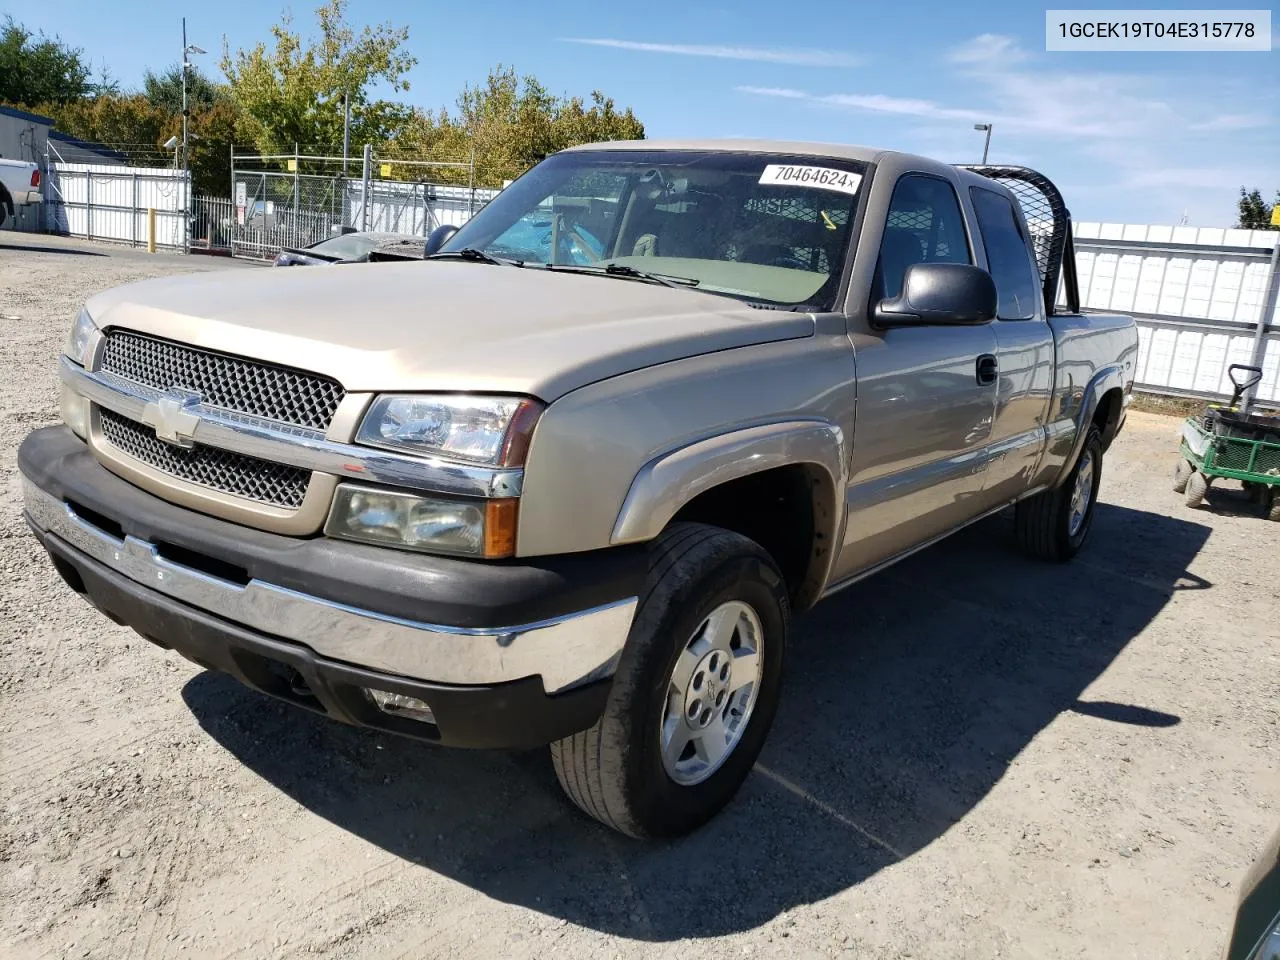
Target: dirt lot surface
976 756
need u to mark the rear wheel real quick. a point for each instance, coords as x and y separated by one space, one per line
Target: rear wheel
1053 525
695 692
1197 487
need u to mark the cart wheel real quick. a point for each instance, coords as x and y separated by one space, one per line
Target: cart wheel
1181 471
1273 513
1197 487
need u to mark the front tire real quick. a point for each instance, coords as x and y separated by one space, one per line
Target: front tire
1197 487
1054 524
695 692
1182 470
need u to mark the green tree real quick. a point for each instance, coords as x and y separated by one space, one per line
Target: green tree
131 124
40 69
164 89
511 122
293 91
1254 212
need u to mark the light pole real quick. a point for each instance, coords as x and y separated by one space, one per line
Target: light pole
987 145
187 50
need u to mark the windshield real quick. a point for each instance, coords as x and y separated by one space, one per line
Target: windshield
757 226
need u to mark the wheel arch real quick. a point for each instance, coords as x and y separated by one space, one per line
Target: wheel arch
1101 402
780 484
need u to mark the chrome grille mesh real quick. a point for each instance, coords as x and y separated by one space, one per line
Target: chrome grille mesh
245 386
222 470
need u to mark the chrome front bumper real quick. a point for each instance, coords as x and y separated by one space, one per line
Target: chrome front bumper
566 652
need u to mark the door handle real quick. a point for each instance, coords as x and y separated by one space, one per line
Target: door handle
987 369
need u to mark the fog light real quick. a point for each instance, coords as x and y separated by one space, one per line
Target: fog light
398 705
75 412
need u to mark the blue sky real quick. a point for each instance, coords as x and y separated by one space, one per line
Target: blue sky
1130 137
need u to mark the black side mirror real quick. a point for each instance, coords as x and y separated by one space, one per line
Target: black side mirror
436 239
950 294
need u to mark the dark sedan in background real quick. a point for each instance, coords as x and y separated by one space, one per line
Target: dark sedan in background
356 247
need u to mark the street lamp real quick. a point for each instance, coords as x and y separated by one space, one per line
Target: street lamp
987 145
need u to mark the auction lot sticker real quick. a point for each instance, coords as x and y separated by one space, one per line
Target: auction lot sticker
1158 30
821 178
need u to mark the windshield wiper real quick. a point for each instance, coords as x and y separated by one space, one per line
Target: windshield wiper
626 272
477 255
666 279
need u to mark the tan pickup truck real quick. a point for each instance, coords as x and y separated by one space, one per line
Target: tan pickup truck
567 480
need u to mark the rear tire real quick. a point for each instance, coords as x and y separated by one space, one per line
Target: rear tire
1054 524
1181 471
1197 487
615 771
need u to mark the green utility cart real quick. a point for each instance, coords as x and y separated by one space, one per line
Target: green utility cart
1224 442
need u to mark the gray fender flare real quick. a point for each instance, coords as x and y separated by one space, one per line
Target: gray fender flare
1086 402
669 481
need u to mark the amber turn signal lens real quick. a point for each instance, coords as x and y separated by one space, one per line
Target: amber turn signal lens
500 528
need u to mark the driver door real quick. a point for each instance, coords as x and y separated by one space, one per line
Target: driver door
924 408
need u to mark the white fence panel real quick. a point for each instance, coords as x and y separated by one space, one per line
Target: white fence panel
1196 293
108 202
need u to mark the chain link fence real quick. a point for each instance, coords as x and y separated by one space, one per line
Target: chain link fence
294 200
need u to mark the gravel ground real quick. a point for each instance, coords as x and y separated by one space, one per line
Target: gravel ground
976 756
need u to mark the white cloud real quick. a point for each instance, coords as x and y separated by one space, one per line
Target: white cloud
793 56
1154 141
873 103
1233 121
987 47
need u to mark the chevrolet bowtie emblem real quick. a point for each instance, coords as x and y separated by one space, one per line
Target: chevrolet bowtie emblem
172 417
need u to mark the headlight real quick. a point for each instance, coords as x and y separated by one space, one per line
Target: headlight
83 339
492 430
478 528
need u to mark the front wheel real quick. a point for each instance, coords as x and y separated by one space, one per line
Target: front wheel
1197 488
695 692
1182 471
1053 525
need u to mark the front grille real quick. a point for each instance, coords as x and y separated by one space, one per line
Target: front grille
221 470
221 380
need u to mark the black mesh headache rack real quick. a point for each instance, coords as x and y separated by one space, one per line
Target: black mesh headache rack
1049 223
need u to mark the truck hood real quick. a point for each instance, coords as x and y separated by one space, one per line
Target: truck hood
444 325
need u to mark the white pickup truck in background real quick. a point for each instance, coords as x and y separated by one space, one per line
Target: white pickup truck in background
19 185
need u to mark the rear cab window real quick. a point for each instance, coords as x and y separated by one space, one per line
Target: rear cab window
1009 259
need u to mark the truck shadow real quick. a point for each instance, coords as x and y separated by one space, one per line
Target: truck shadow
907 698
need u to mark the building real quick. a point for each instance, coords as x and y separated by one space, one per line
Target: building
23 135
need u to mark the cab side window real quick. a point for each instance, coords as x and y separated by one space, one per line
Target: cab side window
924 226
1008 257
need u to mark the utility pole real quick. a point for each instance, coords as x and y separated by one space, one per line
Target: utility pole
346 132
1264 320
364 193
986 146
187 50
186 65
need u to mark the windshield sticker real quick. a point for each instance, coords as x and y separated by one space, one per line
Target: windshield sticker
821 178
